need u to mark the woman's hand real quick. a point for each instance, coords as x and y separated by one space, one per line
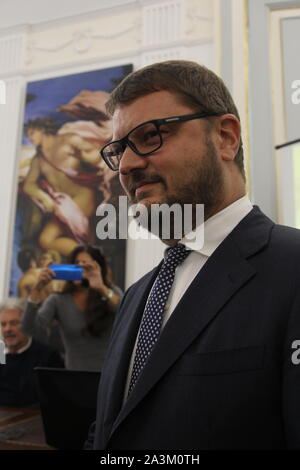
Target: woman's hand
45 277
92 272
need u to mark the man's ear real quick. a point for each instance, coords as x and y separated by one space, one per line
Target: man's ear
229 135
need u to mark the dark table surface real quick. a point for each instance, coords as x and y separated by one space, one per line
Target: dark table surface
21 429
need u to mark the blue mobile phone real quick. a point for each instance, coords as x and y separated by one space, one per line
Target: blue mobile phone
67 272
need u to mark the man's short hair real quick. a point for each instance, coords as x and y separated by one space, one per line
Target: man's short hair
13 303
194 84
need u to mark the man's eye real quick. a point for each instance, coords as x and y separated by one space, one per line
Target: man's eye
151 135
164 130
149 138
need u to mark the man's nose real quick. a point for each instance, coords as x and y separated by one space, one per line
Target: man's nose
6 329
131 161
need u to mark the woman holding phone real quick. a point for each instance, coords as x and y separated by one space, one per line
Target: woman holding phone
84 309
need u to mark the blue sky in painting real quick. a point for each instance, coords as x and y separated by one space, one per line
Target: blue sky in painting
53 92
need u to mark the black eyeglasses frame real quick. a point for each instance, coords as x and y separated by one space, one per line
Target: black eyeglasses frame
157 123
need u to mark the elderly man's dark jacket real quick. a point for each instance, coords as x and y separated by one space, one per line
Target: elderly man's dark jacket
224 372
18 384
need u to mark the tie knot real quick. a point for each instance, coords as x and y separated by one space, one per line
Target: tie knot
175 256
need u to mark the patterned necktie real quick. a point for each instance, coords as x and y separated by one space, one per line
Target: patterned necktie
153 313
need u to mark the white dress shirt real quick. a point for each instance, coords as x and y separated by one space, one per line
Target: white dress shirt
216 229
20 351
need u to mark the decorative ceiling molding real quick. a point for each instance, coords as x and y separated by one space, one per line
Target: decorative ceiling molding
12 53
162 54
163 22
194 20
80 39
195 16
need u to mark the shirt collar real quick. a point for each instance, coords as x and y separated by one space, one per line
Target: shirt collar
219 226
20 351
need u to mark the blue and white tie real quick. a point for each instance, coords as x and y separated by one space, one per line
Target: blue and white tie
153 313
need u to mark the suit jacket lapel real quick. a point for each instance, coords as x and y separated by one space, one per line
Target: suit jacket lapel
224 273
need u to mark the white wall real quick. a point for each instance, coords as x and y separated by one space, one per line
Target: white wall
264 79
259 55
41 39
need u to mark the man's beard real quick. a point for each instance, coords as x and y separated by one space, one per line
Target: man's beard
205 186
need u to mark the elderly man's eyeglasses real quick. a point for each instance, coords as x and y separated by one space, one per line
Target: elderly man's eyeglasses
144 139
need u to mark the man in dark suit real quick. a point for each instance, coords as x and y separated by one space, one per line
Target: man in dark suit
223 371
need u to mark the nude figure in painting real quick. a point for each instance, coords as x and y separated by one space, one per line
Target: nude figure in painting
63 177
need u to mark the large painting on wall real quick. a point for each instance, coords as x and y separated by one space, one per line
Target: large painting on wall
61 177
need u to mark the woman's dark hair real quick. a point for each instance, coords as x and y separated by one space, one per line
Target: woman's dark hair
97 314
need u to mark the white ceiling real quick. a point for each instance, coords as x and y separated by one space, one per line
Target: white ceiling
20 12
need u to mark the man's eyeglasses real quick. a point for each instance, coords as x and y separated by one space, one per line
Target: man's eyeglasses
144 139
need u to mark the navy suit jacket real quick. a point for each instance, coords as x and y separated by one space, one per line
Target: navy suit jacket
221 375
